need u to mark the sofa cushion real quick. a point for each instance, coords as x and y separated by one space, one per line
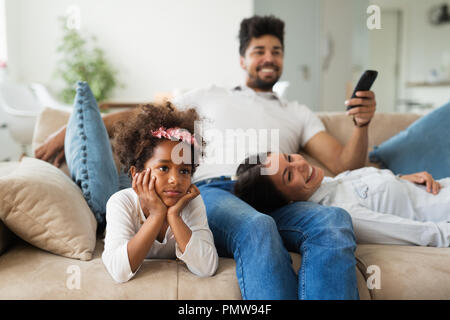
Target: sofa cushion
45 208
406 272
31 273
423 146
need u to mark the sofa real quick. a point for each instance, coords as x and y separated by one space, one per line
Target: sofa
383 271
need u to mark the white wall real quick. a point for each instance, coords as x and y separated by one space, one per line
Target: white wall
157 46
422 48
337 25
3 52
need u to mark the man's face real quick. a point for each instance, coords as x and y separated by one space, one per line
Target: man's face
263 61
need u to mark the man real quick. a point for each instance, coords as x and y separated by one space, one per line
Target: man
259 242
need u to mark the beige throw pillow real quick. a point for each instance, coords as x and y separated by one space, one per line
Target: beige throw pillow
44 207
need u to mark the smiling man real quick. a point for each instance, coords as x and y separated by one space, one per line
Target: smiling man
263 60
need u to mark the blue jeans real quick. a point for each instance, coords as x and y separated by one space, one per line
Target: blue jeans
89 156
259 243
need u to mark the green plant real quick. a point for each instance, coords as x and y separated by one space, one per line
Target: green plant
81 60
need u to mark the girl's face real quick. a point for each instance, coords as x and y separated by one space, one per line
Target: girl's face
296 179
172 180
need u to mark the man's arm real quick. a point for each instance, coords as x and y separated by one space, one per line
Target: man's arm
53 147
336 157
329 151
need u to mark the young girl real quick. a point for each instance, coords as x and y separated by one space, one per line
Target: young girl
386 209
162 215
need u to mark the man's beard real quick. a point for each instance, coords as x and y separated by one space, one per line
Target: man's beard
264 85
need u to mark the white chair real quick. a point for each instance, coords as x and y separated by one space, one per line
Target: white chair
21 108
46 99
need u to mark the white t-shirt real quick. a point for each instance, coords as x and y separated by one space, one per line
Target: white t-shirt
123 220
239 123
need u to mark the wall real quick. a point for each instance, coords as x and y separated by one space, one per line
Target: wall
337 25
157 46
302 46
423 48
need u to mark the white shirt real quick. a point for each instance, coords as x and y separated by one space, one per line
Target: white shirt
227 111
377 189
123 221
388 210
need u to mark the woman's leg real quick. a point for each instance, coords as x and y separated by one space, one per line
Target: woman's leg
89 155
263 265
325 239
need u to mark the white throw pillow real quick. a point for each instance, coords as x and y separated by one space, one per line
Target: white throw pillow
44 207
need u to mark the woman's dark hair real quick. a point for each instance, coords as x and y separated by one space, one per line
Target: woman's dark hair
258 26
257 189
133 142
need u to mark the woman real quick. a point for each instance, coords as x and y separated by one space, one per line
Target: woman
386 209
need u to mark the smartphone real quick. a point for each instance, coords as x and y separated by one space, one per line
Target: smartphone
364 83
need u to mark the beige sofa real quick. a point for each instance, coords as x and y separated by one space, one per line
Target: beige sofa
26 272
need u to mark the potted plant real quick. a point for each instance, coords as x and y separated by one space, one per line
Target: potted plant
81 60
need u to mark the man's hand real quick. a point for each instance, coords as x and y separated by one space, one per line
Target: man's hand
424 178
144 186
366 107
175 210
53 148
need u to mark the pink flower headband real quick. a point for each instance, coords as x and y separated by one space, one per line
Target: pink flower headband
175 134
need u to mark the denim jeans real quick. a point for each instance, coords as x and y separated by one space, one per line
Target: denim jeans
89 156
259 243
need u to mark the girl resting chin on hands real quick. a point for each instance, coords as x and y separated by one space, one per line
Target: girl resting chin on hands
162 215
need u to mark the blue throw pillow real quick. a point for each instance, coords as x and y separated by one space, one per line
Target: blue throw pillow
89 154
423 146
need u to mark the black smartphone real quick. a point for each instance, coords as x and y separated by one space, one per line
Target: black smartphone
364 83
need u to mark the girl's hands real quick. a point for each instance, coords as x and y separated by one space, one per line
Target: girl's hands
424 178
144 186
175 210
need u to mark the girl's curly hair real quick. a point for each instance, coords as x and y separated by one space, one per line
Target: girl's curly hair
133 142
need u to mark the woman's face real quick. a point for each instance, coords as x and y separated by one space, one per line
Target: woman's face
172 180
296 179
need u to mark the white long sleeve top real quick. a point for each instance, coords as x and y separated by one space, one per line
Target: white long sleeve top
388 210
124 218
